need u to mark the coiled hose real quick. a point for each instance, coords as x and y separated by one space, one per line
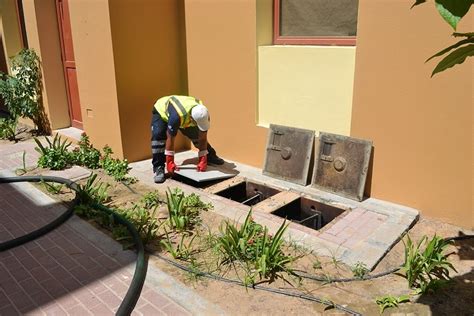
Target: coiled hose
136 285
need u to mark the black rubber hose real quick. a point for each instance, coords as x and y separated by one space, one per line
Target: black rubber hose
50 226
138 279
258 287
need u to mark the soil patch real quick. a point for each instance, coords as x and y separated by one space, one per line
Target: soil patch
455 299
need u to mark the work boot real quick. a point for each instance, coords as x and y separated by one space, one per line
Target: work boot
215 160
159 175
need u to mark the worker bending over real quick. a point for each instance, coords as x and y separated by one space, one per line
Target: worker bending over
191 117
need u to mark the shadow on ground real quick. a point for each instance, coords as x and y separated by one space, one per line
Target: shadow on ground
457 298
70 267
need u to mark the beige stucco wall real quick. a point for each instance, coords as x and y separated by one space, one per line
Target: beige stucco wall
43 36
10 28
93 50
222 71
149 52
306 87
422 127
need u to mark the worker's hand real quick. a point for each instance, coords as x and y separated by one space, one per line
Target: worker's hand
202 164
170 164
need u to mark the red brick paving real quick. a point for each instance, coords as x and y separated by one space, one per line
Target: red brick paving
63 272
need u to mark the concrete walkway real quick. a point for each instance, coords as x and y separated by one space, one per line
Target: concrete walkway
75 269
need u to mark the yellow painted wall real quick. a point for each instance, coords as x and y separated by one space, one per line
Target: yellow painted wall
11 35
306 86
43 36
221 40
422 127
93 50
149 52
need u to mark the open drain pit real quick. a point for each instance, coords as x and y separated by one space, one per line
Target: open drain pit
248 193
310 213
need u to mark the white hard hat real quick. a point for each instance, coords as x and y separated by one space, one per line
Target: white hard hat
200 114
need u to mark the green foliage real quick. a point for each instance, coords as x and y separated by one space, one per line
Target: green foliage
359 270
52 188
144 221
194 201
56 155
93 191
388 301
452 12
21 91
116 168
150 199
182 250
253 245
8 128
86 155
181 216
428 269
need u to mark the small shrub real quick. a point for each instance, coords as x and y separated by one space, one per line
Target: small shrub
252 244
56 155
426 270
388 301
194 201
359 270
8 128
150 199
21 91
144 221
116 168
86 155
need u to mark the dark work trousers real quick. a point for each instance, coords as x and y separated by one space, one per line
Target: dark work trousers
158 139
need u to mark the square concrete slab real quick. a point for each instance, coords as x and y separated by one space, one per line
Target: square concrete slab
212 173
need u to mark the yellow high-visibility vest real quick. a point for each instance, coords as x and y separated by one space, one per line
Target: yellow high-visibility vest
182 104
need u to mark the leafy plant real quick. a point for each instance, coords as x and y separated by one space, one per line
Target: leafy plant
359 270
116 168
8 128
150 199
428 269
452 12
21 91
93 192
54 156
388 301
194 201
144 221
181 217
252 244
85 154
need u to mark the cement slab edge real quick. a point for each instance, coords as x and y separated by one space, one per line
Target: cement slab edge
173 288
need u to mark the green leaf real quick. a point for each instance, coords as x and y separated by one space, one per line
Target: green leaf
452 11
447 49
456 57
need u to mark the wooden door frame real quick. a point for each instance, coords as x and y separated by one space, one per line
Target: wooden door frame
59 14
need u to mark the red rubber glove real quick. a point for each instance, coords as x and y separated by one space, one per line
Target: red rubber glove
202 165
170 165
